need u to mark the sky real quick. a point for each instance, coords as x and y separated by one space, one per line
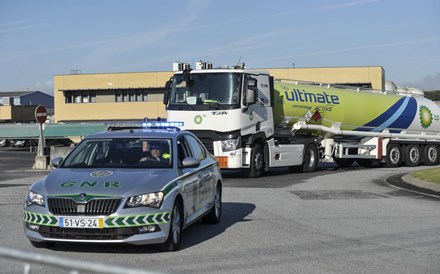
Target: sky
40 39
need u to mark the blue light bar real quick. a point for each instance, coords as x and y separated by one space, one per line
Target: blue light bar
161 124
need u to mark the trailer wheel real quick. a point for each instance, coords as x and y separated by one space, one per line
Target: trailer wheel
394 155
430 155
257 163
412 155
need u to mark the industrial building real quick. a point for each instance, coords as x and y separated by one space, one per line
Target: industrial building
136 95
19 106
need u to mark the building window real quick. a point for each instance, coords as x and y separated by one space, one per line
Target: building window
77 97
118 96
92 97
85 97
144 96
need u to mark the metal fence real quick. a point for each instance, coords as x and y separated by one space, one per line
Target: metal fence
71 265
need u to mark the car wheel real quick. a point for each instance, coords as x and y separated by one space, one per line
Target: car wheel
413 155
42 244
215 214
175 233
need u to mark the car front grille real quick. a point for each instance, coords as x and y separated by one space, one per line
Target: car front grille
87 233
95 207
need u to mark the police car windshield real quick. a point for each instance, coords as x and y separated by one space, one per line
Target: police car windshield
121 153
204 90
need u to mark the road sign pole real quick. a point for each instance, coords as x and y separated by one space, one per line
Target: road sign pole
41 143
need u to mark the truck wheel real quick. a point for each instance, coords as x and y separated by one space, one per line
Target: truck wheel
175 232
310 160
394 155
430 155
412 155
214 215
257 163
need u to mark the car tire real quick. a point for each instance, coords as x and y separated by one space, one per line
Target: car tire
215 214
175 232
42 244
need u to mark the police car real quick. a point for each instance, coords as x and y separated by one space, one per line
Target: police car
138 186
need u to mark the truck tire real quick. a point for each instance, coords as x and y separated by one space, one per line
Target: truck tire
394 155
430 155
311 159
413 156
257 163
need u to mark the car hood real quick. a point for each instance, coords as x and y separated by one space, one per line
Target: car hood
106 182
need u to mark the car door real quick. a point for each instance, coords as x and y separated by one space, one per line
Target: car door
190 181
204 190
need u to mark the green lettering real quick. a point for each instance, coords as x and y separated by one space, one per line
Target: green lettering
88 184
112 184
68 184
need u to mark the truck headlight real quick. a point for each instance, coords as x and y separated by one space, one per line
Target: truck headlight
34 198
231 144
150 199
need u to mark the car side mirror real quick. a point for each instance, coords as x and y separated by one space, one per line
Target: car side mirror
56 161
190 162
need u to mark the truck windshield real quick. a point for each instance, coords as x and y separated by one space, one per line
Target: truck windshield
206 90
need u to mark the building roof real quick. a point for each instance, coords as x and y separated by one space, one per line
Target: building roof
20 93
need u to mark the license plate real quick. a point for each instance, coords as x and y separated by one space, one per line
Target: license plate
68 222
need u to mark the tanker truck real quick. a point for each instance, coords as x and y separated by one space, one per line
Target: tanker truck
250 121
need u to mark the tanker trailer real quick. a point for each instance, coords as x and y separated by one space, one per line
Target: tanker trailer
361 125
251 122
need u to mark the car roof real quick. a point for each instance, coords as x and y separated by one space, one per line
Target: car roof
138 133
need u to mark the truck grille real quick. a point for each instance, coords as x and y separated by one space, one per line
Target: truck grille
87 233
96 207
207 142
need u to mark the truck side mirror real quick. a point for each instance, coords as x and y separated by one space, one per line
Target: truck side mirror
251 92
251 96
166 94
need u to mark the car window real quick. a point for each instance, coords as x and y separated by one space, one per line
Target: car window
197 149
121 152
183 149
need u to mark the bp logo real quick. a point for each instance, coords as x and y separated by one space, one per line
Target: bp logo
425 116
198 119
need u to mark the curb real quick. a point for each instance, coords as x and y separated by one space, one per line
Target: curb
421 184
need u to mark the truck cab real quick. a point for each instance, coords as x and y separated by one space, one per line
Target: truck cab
231 111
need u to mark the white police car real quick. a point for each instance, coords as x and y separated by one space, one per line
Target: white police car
131 186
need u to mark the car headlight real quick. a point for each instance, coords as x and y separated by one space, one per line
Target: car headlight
231 144
150 199
34 198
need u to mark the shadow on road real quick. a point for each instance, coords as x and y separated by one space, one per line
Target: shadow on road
195 234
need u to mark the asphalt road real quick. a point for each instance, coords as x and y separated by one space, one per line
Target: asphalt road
330 221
